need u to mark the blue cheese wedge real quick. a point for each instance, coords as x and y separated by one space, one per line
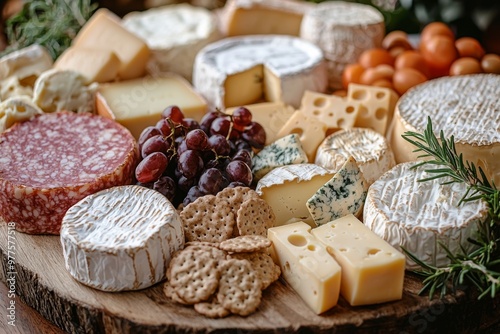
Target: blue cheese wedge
344 194
284 151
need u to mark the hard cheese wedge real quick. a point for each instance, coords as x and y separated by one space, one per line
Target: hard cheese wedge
138 103
372 270
306 265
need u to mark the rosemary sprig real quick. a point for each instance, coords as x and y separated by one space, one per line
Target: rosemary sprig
50 23
480 267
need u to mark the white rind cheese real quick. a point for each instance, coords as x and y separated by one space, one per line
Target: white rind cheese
420 215
174 34
343 31
369 148
466 107
243 70
121 238
26 64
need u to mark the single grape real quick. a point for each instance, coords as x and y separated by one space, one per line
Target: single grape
185 184
151 168
155 144
239 171
211 181
192 195
219 144
242 116
147 133
164 126
197 140
241 144
174 113
190 164
215 163
243 155
207 119
190 124
221 126
255 135
166 186
182 146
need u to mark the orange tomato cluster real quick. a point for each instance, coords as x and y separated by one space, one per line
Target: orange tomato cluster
400 66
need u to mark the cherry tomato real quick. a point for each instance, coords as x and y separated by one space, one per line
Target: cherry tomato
465 65
491 63
439 52
434 29
469 47
372 74
352 74
374 57
406 78
396 38
412 59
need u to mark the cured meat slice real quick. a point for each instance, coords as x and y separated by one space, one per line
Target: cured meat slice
54 160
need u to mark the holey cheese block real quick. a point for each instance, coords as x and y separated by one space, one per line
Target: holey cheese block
466 107
121 238
243 70
420 215
369 148
174 35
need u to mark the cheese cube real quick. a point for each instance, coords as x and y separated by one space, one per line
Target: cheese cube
376 106
271 115
306 265
138 103
104 31
251 80
311 131
372 270
96 65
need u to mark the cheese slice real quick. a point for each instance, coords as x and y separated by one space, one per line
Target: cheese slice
420 215
104 31
272 68
343 30
306 265
343 194
369 148
286 189
372 270
271 115
284 151
311 131
121 238
17 109
465 107
174 34
96 65
26 64
259 17
138 103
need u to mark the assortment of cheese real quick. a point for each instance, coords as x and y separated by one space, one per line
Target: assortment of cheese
335 170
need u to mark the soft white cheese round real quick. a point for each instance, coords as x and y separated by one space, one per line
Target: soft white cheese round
121 238
420 215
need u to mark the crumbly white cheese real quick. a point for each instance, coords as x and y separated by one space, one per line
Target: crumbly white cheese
17 109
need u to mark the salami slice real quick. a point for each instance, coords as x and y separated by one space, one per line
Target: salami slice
54 160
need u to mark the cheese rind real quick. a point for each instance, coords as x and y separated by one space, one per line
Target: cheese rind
420 215
372 270
138 103
272 68
369 148
306 265
121 238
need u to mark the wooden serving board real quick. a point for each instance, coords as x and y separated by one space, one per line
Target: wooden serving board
43 283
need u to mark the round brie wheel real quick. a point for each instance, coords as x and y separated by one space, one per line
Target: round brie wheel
420 215
121 238
369 148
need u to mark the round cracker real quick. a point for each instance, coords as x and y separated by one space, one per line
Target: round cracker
264 266
237 195
170 293
245 244
254 217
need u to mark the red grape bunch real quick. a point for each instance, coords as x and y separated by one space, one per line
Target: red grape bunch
184 159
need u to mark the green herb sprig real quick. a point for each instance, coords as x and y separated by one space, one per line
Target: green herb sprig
50 23
480 267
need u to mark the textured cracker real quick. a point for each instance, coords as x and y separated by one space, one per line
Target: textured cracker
193 275
263 265
239 287
171 293
254 217
245 244
237 195
208 219
212 309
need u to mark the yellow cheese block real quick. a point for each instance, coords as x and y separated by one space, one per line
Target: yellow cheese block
271 115
372 270
306 265
104 31
138 103
96 65
244 87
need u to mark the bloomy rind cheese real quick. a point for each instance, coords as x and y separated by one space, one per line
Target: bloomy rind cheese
121 238
420 215
26 64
